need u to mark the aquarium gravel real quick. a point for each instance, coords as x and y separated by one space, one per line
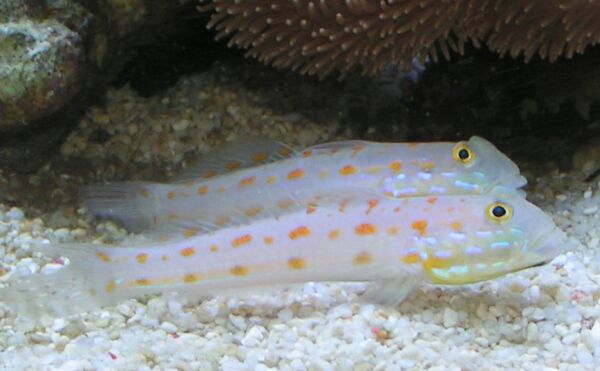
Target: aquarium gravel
539 319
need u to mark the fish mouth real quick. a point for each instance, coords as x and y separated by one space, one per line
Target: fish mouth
514 181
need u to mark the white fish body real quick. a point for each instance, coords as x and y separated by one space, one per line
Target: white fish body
445 240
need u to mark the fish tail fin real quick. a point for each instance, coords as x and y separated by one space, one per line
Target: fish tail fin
133 204
75 288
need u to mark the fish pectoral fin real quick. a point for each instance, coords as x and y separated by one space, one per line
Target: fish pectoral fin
242 153
393 291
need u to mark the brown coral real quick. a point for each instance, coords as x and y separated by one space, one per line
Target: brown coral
319 36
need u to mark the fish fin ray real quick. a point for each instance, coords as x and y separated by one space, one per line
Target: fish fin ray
330 147
392 291
245 152
73 289
132 204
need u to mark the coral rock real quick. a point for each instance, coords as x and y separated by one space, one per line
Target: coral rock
320 36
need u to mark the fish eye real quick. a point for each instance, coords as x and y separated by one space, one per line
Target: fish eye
499 212
463 153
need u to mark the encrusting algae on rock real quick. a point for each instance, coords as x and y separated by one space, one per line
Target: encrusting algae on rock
401 215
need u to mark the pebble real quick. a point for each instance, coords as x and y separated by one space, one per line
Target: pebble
181 125
450 317
15 213
168 327
253 337
596 330
61 233
538 314
51 268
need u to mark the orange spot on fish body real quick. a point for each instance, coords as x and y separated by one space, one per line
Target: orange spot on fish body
271 179
208 174
187 252
365 229
164 258
356 150
432 200
411 258
372 204
247 181
362 258
190 232
260 156
213 248
311 208
239 270
456 226
295 174
110 287
297 263
285 204
253 211
299 232
284 151
233 165
103 256
427 166
373 170
392 231
343 206
141 258
268 240
334 234
420 226
202 190
171 195
395 166
143 282
220 221
191 278
241 240
348 170
307 153
142 191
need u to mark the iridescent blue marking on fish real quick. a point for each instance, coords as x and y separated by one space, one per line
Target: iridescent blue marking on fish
473 250
500 245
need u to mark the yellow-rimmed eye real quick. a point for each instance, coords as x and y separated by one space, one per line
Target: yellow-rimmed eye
463 153
499 212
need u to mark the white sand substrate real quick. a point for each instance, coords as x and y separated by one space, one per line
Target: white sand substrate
540 319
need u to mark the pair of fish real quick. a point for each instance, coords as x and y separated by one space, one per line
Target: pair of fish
259 213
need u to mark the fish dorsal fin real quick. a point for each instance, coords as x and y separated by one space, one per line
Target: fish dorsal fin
237 210
242 153
333 147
